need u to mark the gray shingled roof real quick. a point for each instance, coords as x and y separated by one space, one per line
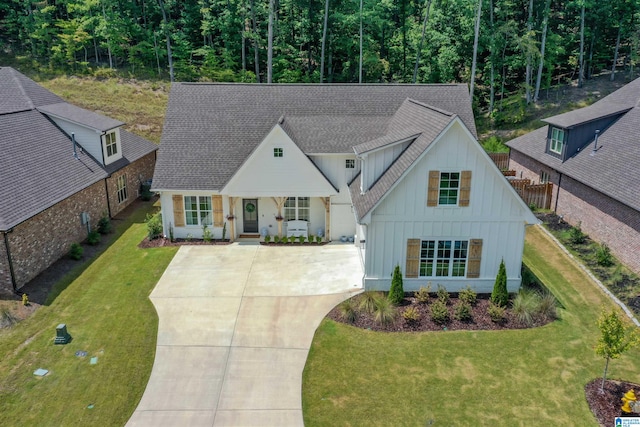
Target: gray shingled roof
37 167
81 116
612 170
210 129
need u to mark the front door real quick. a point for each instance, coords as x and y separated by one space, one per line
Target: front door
250 215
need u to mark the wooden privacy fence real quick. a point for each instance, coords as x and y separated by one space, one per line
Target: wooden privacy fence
500 159
533 194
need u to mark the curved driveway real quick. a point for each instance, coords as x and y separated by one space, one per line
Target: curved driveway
236 323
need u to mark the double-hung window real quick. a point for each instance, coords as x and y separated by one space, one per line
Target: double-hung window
449 188
111 144
443 258
557 140
122 188
297 208
197 210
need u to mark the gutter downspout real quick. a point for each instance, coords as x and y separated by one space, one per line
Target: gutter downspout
555 208
11 271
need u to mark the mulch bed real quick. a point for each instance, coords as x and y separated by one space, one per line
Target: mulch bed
606 405
162 242
480 319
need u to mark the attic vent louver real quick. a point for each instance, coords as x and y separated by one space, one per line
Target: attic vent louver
595 142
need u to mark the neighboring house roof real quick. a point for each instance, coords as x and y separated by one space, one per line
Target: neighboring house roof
37 166
210 129
80 116
612 169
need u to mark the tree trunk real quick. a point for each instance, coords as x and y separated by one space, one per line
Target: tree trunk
593 39
424 29
615 52
475 49
324 39
155 49
360 67
243 54
104 15
581 58
527 83
255 40
492 91
168 36
543 43
270 45
604 376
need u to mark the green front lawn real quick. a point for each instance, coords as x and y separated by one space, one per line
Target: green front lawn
520 377
108 314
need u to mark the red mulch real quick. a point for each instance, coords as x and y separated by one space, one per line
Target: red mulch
606 405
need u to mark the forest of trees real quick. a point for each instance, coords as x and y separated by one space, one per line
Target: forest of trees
515 46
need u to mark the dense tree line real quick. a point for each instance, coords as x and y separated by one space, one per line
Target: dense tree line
507 45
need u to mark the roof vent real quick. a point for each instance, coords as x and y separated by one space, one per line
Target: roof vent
73 139
595 142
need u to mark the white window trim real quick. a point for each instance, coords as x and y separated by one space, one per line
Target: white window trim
451 259
350 163
457 189
278 152
198 210
111 140
554 143
297 208
121 184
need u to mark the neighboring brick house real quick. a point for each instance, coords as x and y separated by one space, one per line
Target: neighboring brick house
61 169
591 156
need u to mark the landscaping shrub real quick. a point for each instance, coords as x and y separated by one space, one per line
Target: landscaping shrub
292 239
439 312
576 236
384 312
525 306
276 239
267 239
462 311
93 238
300 239
318 239
422 295
396 293
603 256
547 305
468 296
499 295
368 301
76 251
104 225
348 310
496 312
442 294
154 225
411 315
206 233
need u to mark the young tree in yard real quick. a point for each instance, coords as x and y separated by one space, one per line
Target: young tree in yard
396 293
500 296
614 340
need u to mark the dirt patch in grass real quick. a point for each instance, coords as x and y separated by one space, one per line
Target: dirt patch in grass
606 404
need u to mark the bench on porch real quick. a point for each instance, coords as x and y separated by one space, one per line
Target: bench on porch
297 228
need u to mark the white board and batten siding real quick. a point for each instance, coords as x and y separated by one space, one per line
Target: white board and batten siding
493 215
89 139
169 210
378 161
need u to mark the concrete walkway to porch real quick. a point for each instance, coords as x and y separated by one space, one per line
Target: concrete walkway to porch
235 326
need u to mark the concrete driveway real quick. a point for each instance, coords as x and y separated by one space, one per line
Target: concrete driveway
236 323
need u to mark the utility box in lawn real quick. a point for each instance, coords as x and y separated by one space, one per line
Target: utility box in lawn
62 336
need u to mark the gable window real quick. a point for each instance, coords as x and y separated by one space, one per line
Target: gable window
350 163
110 143
449 187
557 140
443 258
122 188
297 208
197 210
277 152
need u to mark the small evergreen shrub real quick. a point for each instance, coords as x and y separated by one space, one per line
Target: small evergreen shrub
267 239
462 311
500 296
154 225
300 239
576 236
76 251
170 232
396 293
348 310
411 315
368 301
276 239
224 231
384 312
422 294
318 239
496 313
603 256
104 225
468 296
292 239
442 294
93 238
439 312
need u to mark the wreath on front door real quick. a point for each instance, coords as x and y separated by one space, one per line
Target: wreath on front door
250 207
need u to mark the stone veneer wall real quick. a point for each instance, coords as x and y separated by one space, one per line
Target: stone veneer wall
137 172
5 274
602 218
41 240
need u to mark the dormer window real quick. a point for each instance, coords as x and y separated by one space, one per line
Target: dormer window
111 144
557 140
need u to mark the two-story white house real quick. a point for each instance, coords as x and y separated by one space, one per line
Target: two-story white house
396 169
